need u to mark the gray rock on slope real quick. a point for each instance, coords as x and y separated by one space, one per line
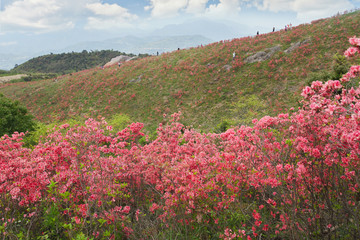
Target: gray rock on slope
119 59
296 45
263 55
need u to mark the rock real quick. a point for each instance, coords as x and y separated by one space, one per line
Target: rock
263 55
227 67
296 45
136 80
119 59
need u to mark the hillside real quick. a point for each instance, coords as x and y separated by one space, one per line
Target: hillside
204 83
67 62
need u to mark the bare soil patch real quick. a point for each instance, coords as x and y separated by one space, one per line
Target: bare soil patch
12 77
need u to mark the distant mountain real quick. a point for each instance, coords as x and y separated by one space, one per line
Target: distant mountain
149 44
8 60
207 28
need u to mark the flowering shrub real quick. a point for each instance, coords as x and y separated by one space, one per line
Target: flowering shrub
291 176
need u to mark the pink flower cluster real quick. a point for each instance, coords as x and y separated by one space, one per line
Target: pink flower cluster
354 41
350 52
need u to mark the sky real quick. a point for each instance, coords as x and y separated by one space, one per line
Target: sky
28 25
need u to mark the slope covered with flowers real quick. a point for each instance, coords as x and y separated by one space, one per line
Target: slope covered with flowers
292 176
204 83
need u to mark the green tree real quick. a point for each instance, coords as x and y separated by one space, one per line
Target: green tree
14 117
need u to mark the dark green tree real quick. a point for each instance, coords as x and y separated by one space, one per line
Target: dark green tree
14 117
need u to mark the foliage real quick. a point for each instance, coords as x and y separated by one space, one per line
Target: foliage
340 66
14 117
41 130
293 176
119 121
248 108
224 125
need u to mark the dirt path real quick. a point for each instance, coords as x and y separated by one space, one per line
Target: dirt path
12 77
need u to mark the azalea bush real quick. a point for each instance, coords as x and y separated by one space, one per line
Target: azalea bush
292 176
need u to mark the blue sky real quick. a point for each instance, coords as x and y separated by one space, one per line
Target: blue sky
29 25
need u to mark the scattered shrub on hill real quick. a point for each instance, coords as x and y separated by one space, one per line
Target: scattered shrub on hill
247 108
119 121
42 130
224 125
14 117
340 66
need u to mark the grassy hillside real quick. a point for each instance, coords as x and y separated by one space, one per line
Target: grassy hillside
204 83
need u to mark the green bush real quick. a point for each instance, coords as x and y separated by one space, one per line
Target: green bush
322 76
41 130
14 117
119 121
340 66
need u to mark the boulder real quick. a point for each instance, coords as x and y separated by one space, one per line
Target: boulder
263 55
296 45
119 59
136 80
227 67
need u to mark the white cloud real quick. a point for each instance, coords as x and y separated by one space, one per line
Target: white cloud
274 5
5 44
109 16
309 9
40 15
196 6
171 8
305 9
166 8
224 8
52 15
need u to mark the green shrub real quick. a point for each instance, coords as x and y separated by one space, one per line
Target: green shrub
224 125
340 66
322 76
119 121
14 117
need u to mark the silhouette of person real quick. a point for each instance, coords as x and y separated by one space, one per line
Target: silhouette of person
257 33
273 29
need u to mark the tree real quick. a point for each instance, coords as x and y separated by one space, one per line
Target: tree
14 117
